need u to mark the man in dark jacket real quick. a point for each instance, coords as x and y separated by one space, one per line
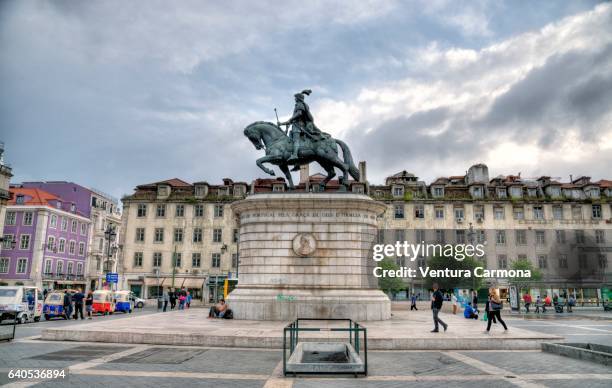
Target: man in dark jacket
436 306
67 305
78 304
172 295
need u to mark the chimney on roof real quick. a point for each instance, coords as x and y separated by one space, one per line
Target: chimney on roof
304 173
362 171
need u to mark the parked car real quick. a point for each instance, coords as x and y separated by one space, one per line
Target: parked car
139 302
23 302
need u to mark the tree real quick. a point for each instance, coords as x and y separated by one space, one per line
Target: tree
389 284
524 264
449 283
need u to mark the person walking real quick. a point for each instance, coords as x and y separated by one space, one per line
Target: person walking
495 309
571 302
78 304
527 301
67 305
454 302
475 300
182 299
413 299
488 310
166 299
189 299
172 296
436 306
89 304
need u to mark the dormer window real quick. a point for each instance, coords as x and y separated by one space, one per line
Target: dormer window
532 192
358 189
238 191
398 191
516 192
593 192
477 192
554 191
163 191
72 207
278 188
438 192
201 191
501 193
59 204
20 200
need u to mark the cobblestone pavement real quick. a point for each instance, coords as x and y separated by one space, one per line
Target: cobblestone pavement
103 365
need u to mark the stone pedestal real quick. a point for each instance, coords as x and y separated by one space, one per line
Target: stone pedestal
307 256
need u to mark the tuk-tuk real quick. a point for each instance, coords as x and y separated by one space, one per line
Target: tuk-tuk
23 303
124 301
103 302
54 305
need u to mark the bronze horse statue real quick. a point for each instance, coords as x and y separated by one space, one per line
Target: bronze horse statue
323 149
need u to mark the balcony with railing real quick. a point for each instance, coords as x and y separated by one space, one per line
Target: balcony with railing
61 276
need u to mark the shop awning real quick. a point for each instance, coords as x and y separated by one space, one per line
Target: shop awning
188 283
69 282
153 281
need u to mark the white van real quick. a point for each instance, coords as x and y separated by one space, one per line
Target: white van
26 301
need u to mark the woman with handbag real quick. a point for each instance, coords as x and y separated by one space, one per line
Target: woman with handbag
495 309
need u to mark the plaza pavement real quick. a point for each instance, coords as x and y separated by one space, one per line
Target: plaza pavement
407 330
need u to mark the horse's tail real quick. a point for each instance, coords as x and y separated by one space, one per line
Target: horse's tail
348 159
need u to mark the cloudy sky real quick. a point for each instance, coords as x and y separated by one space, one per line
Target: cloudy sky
112 94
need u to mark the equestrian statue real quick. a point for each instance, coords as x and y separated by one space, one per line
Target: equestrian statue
305 143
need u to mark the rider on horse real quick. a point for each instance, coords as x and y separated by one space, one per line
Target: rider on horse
302 123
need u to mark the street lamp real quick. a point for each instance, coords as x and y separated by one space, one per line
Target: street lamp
110 233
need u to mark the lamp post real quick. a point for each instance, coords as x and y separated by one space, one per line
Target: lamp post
110 233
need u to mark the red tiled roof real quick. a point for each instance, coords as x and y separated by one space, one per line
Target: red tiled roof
604 183
174 182
32 196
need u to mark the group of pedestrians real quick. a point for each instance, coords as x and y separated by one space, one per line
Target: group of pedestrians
493 308
557 302
73 304
183 297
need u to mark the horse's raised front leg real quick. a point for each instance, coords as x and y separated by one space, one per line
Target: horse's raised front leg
285 169
266 159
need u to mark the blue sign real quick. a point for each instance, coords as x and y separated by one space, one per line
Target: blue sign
112 277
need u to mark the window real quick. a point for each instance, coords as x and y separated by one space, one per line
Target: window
399 211
161 211
596 211
600 237
64 223
69 268
83 229
98 264
421 261
218 211
577 212
235 236
521 256
558 212
140 234
398 191
540 237
479 213
216 260
501 193
542 261
538 212
516 192
79 269
177 259
498 212
583 262
562 261
51 243
81 249
400 235
560 236
518 212
157 259
440 236
22 265
198 210
579 236
481 236
28 218
53 221
178 235
59 267
419 211
100 244
521 237
477 191
71 247
4 264
48 267
502 261
532 192
61 245
419 235
602 261
438 192
74 227
439 212
141 210
197 235
217 235
180 211
24 242
235 258
196 260
159 235
6 241
10 218
459 214
138 259
500 237
460 236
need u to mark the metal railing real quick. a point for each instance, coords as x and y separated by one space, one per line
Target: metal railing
354 330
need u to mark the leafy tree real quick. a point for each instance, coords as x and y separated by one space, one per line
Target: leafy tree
524 264
389 284
448 283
